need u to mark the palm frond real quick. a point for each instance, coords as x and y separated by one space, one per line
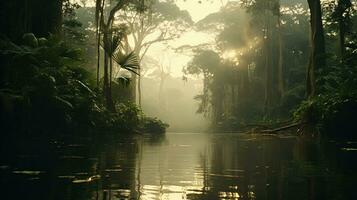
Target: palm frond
129 62
111 44
85 87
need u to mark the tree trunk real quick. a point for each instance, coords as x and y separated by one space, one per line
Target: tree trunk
268 69
317 54
98 57
343 15
135 82
205 98
110 72
280 62
106 85
245 79
133 85
98 22
139 87
233 97
138 51
342 38
108 51
40 17
47 18
161 86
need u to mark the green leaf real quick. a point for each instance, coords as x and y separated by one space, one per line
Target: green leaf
85 87
129 62
65 103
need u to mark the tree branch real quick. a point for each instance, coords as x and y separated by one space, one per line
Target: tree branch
114 10
158 39
144 53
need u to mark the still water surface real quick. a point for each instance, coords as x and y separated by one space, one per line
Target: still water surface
182 166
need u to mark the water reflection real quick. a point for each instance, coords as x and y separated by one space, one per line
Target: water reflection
173 169
180 166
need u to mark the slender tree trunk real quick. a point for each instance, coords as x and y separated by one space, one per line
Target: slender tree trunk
110 72
98 21
268 69
136 86
105 76
108 53
233 96
266 89
138 77
98 57
107 88
342 39
280 62
269 80
245 80
343 7
205 98
161 86
139 86
133 85
110 95
317 54
107 72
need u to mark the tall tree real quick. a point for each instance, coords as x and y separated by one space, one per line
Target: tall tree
281 80
112 38
266 16
109 48
342 16
205 63
110 44
99 10
160 21
317 54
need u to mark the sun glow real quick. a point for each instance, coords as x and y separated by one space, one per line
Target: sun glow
231 55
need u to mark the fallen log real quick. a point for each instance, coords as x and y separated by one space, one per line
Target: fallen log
282 128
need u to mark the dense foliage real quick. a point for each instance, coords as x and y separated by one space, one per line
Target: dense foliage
332 112
45 90
269 59
278 60
259 75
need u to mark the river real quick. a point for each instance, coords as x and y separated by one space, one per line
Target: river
181 166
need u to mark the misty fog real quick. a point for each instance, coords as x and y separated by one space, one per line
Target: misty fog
178 99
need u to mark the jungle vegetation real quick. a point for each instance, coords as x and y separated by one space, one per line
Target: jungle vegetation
278 62
79 65
46 84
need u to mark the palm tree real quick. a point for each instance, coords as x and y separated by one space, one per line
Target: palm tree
112 45
113 50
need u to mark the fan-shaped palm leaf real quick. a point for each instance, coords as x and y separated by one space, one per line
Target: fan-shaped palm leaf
129 62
